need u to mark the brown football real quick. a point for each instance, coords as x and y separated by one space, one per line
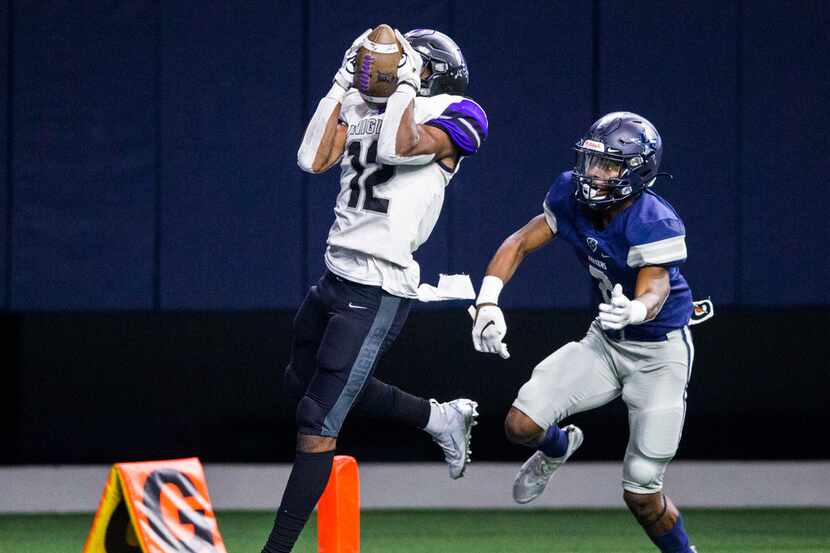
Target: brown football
376 66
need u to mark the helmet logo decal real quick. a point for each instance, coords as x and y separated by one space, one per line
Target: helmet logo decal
593 145
592 243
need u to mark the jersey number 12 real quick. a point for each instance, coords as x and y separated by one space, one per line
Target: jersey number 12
380 175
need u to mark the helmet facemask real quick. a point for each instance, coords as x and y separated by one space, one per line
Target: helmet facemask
602 180
436 68
442 78
618 158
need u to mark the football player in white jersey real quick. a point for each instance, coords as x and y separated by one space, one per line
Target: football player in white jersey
396 157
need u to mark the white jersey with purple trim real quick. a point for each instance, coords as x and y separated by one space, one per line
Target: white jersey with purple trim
384 213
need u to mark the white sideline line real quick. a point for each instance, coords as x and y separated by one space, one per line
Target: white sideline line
62 489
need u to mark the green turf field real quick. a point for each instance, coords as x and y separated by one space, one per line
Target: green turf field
595 531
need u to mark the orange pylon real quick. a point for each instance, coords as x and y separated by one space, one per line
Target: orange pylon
338 512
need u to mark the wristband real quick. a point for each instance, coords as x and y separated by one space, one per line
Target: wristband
638 312
490 289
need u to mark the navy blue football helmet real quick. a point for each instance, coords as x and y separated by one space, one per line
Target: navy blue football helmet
442 55
626 149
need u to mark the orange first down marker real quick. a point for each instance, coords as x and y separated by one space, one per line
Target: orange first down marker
155 507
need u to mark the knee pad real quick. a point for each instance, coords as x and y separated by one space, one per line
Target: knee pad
310 416
655 434
643 475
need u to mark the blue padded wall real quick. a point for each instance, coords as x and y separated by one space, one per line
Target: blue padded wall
530 70
677 67
784 160
230 189
154 144
5 130
83 155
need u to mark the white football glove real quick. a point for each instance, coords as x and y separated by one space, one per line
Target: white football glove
621 312
489 330
409 68
345 75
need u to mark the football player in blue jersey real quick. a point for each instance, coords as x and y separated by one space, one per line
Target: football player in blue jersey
632 243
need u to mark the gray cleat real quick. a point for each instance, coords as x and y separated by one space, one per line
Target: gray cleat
535 473
459 419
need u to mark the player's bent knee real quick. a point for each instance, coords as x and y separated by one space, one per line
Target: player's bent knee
520 429
310 416
642 475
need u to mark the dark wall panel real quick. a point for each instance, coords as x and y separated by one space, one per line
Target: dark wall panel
230 204
84 155
675 64
530 69
784 159
149 385
5 130
340 23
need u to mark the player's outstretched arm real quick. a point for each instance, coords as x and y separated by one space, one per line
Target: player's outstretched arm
535 234
490 328
325 138
401 140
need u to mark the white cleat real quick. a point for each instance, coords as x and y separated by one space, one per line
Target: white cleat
693 548
535 473
454 438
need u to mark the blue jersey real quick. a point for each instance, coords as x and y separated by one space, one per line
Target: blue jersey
648 232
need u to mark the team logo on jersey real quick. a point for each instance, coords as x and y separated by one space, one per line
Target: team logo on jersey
592 243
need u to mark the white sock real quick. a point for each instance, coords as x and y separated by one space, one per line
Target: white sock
437 422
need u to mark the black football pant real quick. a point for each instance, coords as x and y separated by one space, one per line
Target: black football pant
340 331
